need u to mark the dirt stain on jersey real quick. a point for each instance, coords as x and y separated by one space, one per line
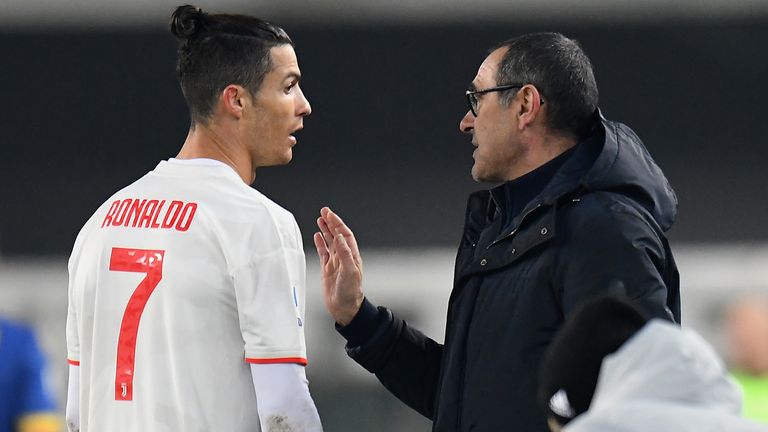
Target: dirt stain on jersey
278 423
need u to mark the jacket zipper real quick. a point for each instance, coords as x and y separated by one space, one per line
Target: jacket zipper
516 228
459 417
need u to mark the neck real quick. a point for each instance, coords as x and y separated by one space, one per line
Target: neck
541 150
214 142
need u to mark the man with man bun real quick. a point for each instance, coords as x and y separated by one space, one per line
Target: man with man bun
186 288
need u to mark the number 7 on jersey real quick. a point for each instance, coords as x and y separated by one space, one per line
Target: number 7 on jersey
137 261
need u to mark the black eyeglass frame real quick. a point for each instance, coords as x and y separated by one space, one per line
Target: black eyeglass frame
472 100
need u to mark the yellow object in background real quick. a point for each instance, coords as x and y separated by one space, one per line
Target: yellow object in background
42 422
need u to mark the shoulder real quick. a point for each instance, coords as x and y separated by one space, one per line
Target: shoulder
253 224
602 205
282 223
257 210
606 225
104 207
605 212
275 211
88 227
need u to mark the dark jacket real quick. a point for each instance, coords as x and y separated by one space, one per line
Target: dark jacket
597 226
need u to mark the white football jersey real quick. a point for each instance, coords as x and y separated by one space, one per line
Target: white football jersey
175 284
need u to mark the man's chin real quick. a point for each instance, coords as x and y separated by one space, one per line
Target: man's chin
484 177
286 158
478 175
281 160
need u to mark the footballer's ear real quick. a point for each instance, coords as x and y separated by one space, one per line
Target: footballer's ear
233 100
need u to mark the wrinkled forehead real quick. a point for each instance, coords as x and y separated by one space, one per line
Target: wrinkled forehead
488 70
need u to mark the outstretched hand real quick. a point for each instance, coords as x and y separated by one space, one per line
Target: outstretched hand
342 267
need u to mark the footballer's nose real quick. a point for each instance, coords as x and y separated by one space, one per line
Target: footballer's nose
305 108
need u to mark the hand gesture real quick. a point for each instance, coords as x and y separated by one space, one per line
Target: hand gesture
342 267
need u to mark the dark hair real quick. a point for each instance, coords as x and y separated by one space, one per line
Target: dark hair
571 365
560 70
216 50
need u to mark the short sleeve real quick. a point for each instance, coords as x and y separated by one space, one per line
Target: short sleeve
75 281
269 291
73 338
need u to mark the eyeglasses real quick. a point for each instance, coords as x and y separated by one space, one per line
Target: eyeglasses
472 95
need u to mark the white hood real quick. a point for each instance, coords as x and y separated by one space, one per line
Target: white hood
664 379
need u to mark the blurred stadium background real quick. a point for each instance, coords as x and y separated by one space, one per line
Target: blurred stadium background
90 103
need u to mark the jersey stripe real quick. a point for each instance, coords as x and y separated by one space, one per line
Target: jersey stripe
299 360
73 362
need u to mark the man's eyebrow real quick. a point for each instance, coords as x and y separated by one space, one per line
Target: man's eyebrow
294 75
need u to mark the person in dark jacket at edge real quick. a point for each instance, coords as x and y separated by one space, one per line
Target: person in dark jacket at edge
579 208
612 369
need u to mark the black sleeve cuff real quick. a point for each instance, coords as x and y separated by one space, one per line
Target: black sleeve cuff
364 325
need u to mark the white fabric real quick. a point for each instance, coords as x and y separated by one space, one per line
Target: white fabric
664 379
197 161
282 392
232 289
72 412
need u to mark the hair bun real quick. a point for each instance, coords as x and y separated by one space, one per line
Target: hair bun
186 22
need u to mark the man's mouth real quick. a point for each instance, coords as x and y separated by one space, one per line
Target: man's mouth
291 137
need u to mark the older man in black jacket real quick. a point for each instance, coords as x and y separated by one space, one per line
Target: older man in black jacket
579 209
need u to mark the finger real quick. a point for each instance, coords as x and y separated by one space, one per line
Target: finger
337 226
345 253
325 217
326 232
329 241
322 249
334 220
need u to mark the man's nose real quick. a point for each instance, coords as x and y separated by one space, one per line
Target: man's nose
467 123
305 108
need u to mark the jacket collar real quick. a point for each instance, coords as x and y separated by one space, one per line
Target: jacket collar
512 197
589 157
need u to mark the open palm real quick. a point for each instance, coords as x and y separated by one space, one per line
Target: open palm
341 266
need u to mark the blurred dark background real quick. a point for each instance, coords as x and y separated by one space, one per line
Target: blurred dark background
87 111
